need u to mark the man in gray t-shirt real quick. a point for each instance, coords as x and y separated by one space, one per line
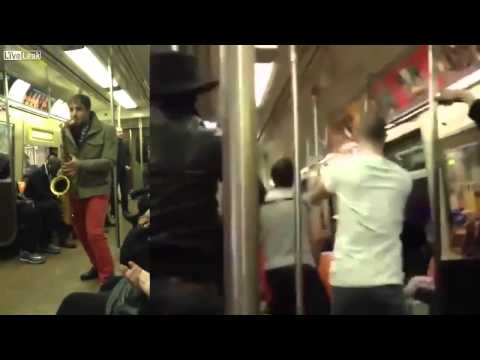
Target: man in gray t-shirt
277 223
366 272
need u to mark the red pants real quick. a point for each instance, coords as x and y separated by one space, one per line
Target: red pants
88 221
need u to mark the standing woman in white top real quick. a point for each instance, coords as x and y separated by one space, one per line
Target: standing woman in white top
366 273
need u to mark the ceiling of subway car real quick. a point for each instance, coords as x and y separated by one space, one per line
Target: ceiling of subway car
340 72
130 65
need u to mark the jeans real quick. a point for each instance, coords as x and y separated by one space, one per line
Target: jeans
282 285
88 221
377 300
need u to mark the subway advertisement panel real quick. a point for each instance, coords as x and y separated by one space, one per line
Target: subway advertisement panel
405 86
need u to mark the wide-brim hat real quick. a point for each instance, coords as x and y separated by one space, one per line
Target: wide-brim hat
176 73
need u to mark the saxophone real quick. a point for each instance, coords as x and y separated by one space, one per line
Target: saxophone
60 185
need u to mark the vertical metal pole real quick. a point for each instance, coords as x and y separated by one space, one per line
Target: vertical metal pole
119 116
133 149
114 171
434 172
324 207
140 135
366 105
325 137
9 130
11 156
239 180
307 155
298 215
133 154
49 95
315 127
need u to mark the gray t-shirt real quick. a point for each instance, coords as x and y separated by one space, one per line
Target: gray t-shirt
371 195
277 230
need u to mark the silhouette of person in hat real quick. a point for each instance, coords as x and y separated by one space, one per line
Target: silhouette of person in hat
185 169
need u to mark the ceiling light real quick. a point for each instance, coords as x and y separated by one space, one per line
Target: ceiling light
18 90
92 66
60 109
263 73
123 98
267 47
466 82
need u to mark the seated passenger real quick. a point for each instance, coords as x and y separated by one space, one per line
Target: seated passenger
28 220
29 168
173 298
118 296
38 189
143 204
277 222
29 223
130 295
170 296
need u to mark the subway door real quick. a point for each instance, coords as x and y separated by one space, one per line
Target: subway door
8 185
458 268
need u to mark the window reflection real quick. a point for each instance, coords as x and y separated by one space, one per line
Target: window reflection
463 175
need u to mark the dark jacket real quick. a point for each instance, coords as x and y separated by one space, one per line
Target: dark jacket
4 166
474 113
123 156
38 186
185 168
96 158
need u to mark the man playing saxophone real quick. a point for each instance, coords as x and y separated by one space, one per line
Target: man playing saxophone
91 148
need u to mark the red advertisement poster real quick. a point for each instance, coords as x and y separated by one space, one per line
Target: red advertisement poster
404 86
36 99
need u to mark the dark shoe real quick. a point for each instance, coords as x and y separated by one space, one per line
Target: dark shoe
51 249
89 275
31 258
68 243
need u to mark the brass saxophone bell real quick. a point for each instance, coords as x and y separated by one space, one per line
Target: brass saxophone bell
60 185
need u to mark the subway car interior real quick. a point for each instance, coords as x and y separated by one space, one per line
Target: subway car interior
301 103
30 123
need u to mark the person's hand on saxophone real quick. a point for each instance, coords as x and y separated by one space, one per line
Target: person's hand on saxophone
70 168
